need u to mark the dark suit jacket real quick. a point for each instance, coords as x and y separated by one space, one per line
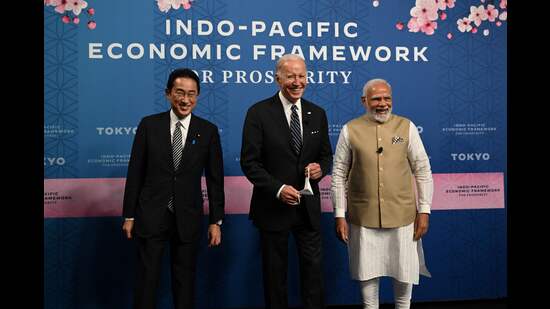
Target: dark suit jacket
151 179
268 161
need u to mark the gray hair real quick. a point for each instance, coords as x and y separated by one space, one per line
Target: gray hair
373 82
286 58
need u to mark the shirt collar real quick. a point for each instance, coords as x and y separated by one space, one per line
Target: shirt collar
287 104
185 121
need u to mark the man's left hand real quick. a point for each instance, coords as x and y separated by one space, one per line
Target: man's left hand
421 225
214 235
315 171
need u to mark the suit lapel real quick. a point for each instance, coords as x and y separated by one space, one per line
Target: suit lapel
165 139
307 113
193 134
278 113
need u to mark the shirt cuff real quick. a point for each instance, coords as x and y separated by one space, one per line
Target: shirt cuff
339 213
279 192
424 209
219 222
128 219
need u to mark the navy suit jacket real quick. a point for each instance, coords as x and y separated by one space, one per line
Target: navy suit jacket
268 161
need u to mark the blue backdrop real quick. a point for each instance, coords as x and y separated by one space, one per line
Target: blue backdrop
99 83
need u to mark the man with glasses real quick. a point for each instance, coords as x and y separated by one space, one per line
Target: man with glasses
163 197
376 157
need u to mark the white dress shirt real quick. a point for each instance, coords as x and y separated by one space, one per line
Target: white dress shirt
287 105
184 129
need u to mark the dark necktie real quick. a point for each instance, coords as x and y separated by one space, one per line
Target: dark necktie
177 145
177 148
295 132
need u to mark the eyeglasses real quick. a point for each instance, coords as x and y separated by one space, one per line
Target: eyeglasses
182 94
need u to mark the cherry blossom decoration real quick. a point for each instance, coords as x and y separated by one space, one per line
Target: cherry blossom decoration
425 13
166 5
70 11
481 14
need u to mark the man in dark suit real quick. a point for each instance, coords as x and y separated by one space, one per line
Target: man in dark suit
283 137
163 197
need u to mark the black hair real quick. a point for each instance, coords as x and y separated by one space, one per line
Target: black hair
183 72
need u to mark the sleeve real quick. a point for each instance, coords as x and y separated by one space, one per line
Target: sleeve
136 172
340 172
215 179
421 169
251 155
325 155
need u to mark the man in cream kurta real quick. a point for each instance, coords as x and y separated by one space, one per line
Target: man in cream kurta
376 157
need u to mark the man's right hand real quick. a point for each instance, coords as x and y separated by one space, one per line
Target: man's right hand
341 229
127 228
289 195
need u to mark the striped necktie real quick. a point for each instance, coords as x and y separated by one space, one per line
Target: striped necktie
295 131
177 147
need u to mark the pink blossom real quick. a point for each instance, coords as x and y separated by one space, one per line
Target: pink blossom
429 27
442 15
474 30
477 14
492 13
164 5
503 4
177 3
450 3
464 24
503 16
498 23
76 6
413 25
399 26
66 19
449 35
51 2
60 8
76 20
91 11
443 4
425 10
186 5
91 25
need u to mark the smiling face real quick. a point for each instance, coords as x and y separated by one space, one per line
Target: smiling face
292 80
378 101
183 96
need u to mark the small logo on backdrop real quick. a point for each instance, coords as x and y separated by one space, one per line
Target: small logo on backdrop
478 156
54 161
52 197
116 130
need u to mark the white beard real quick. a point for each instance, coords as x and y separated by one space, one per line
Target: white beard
379 117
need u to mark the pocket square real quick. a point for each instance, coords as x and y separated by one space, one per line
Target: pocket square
397 140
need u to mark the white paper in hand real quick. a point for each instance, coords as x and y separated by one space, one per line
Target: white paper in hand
307 186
